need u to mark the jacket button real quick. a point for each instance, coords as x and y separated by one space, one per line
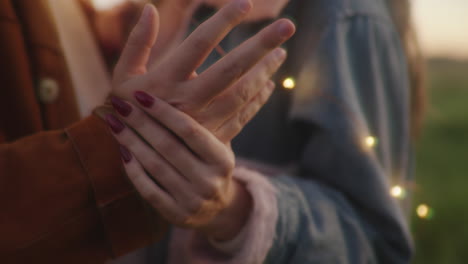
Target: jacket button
48 90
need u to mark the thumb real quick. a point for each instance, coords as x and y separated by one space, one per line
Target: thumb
136 53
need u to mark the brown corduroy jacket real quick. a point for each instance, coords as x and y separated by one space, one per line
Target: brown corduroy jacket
64 196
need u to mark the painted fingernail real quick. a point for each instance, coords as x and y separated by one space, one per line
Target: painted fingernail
121 107
114 123
125 154
144 99
285 29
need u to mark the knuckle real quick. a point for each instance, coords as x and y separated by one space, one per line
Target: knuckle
236 126
182 106
193 206
271 63
200 42
209 191
190 131
213 188
243 118
263 96
233 70
242 93
226 166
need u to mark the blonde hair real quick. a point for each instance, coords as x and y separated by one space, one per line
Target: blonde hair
400 11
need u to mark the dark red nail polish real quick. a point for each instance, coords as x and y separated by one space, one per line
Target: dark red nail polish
125 153
115 124
121 107
144 99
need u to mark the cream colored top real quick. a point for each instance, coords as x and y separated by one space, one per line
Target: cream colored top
87 68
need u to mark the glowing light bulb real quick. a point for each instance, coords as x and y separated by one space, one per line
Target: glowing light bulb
289 83
370 141
424 211
398 192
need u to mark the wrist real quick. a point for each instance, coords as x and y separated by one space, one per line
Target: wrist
230 221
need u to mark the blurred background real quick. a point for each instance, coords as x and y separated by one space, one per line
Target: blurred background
440 197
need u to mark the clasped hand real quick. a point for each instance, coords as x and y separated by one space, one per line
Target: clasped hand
175 126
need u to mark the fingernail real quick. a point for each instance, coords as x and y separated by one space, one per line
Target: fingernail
285 29
280 53
145 15
114 123
271 84
121 107
125 154
144 99
244 5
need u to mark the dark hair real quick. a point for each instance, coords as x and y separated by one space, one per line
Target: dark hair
400 11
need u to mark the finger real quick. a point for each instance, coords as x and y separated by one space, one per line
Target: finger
170 149
169 179
234 65
196 137
194 50
139 44
232 127
157 136
227 104
180 189
150 191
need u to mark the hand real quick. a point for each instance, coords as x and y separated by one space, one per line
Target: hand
243 72
192 168
175 17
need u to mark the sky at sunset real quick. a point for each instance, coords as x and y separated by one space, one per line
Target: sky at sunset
442 26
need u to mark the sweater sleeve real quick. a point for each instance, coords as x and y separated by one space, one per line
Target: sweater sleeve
66 199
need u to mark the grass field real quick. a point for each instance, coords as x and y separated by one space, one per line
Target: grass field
442 168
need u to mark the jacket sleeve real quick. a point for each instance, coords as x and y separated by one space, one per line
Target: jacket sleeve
65 199
339 210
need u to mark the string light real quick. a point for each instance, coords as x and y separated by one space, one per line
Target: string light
370 141
398 192
289 83
424 211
